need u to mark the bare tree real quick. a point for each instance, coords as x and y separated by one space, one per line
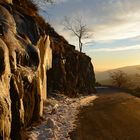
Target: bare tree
119 78
78 28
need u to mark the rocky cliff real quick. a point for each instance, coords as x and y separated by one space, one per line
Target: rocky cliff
28 48
72 72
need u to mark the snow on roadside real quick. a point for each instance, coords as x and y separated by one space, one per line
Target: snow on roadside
60 113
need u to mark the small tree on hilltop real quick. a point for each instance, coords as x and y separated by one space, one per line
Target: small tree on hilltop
78 28
119 78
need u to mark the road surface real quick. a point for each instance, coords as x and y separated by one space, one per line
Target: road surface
114 115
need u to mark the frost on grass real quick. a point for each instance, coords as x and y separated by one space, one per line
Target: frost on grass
60 114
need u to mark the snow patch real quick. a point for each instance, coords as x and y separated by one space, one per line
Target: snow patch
60 113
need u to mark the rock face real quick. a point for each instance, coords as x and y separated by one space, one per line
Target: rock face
24 59
72 72
28 48
5 101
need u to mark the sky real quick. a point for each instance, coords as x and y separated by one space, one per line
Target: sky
114 28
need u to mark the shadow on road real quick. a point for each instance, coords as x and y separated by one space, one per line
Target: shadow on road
114 115
104 89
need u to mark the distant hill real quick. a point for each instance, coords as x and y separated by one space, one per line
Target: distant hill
132 71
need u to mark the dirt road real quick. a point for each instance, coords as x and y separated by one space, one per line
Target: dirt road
114 115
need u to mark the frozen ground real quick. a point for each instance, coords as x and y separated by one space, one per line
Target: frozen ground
60 114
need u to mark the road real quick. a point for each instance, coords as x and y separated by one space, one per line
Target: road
114 115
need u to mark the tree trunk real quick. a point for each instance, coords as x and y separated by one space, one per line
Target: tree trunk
80 45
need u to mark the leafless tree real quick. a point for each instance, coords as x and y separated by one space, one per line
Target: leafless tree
119 78
78 28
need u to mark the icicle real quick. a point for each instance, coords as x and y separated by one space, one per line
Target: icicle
48 54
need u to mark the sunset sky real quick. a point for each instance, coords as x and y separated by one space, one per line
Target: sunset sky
114 25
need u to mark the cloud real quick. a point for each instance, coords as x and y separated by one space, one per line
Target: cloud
108 20
112 31
112 20
124 48
60 1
